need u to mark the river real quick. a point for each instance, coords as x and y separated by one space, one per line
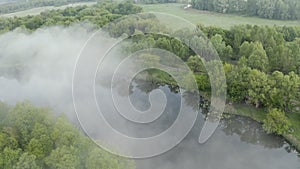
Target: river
238 143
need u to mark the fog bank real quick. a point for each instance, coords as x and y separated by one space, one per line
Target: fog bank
38 66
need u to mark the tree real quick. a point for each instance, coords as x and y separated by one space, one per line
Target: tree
46 142
63 157
259 88
4 109
225 52
285 90
26 161
221 6
245 49
202 82
24 117
99 159
99 14
256 55
40 147
238 83
240 34
259 62
252 7
271 9
266 8
195 64
9 157
276 122
69 136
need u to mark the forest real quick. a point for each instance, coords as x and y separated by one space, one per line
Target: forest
99 15
262 66
20 5
274 9
34 138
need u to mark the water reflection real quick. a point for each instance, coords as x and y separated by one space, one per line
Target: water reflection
238 143
250 131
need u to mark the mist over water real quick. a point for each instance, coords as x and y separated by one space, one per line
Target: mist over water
38 67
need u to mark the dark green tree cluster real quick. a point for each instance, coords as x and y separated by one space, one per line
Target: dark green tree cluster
276 90
99 14
276 122
28 4
263 67
33 138
263 70
156 1
271 9
265 48
141 41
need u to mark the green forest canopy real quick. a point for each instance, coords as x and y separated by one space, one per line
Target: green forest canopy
28 4
99 14
33 138
262 63
271 9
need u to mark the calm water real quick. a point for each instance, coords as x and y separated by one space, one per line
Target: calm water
238 143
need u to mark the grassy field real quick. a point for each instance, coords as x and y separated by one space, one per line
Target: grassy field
36 11
213 19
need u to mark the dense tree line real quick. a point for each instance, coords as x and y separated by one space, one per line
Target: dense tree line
265 48
33 138
262 63
271 9
156 1
263 68
7 1
28 4
99 14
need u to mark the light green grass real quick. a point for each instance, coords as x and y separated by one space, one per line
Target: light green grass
36 11
247 111
294 118
213 19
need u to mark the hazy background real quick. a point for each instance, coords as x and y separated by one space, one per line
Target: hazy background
38 66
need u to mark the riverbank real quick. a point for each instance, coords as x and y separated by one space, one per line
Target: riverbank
259 115
256 114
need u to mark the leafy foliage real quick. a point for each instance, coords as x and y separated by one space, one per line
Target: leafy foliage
35 139
276 122
99 14
28 4
274 9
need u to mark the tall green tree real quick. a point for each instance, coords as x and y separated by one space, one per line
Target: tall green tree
26 161
276 122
